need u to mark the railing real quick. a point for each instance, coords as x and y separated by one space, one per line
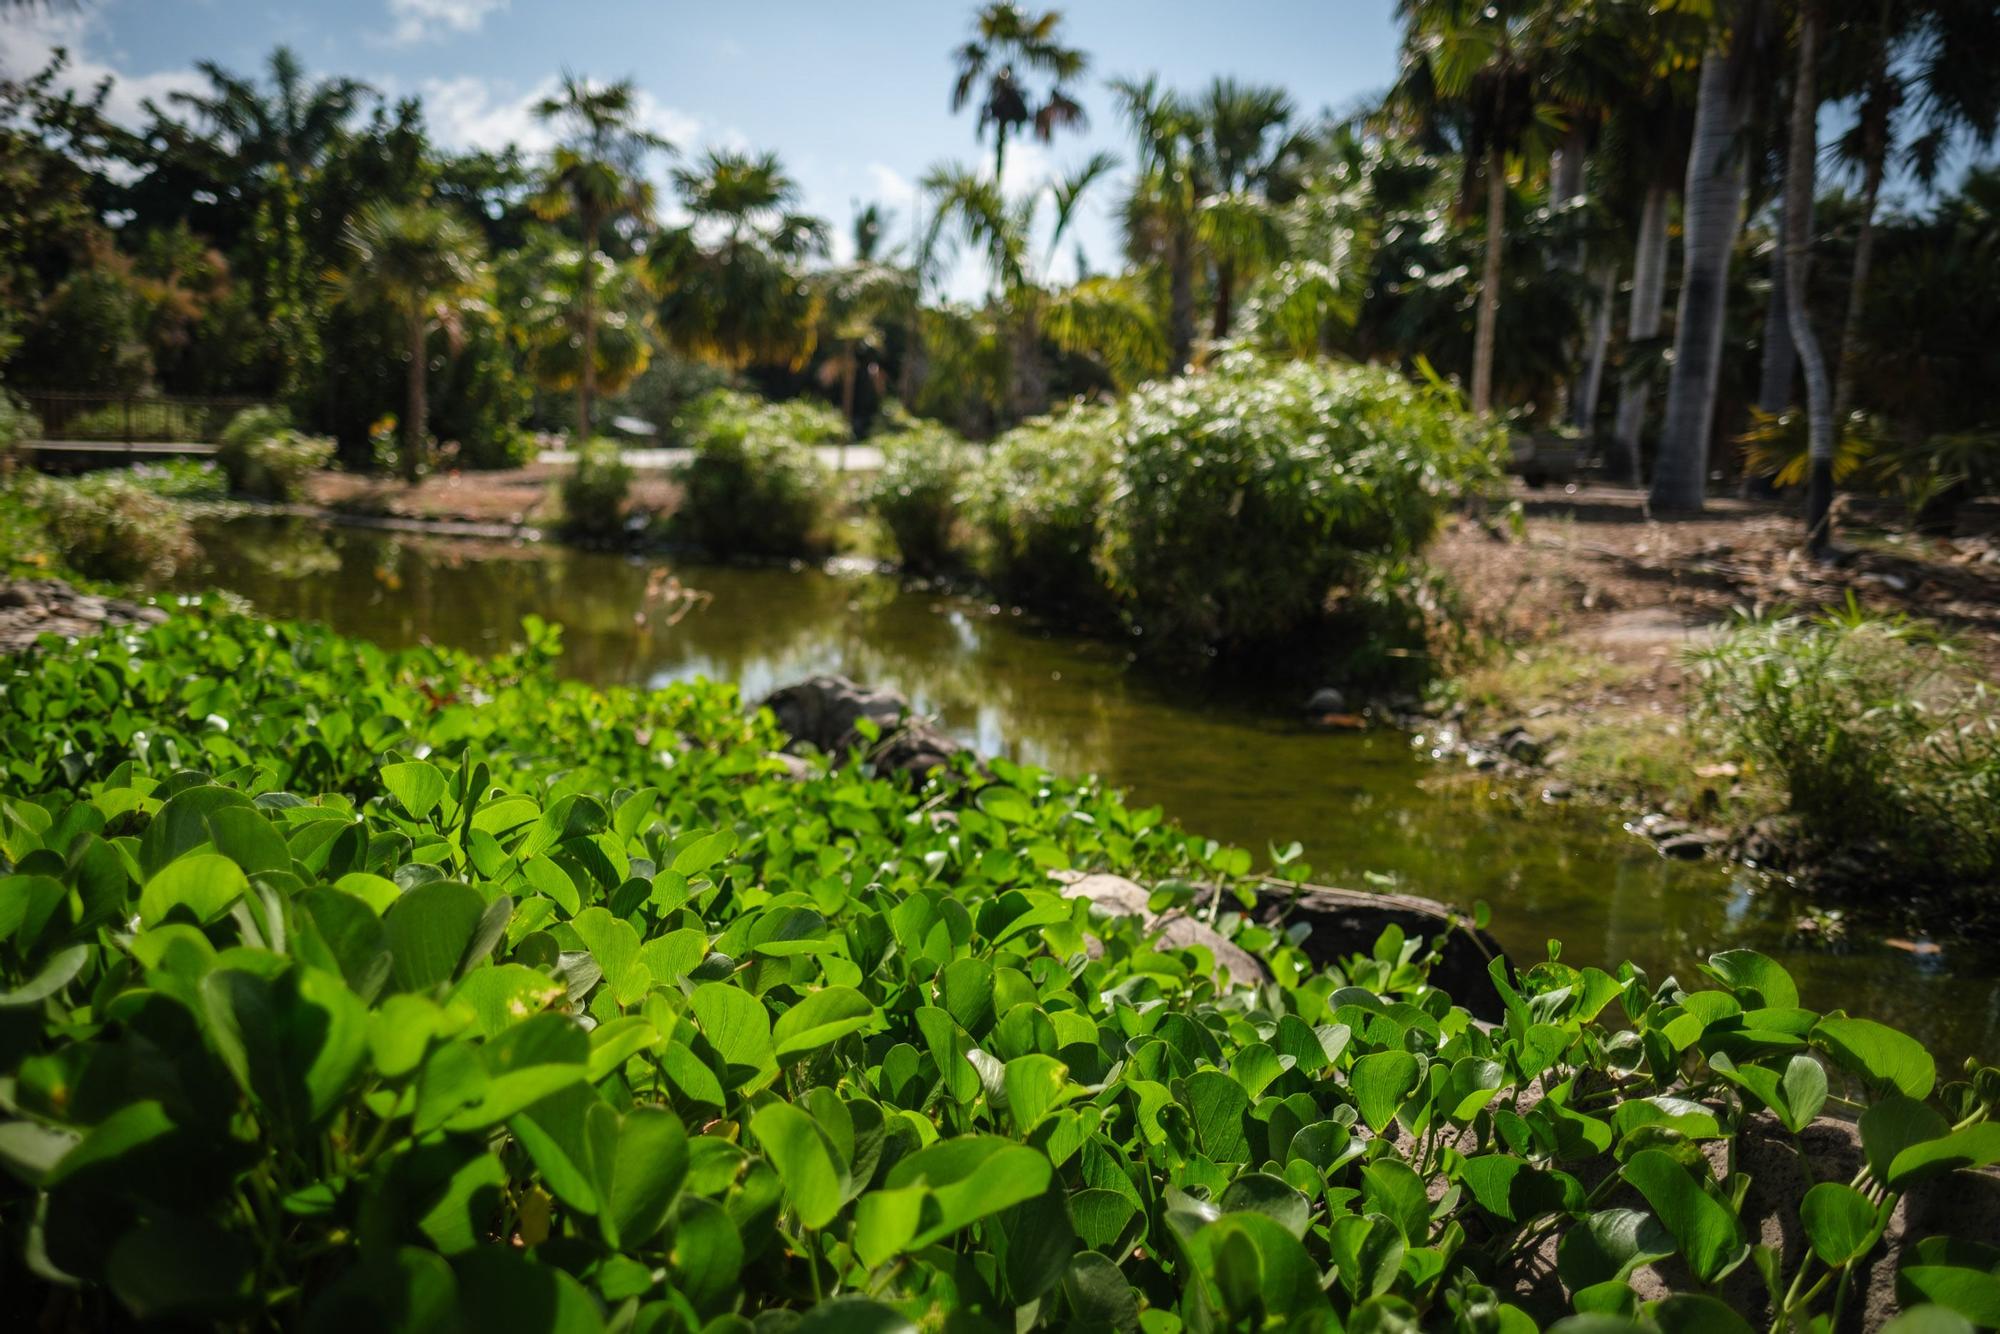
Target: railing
137 423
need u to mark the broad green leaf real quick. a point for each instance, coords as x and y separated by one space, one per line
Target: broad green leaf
430 928
205 883
418 785
815 1177
1840 1222
821 1019
1705 1231
739 1028
1879 1053
1380 1083
1972 1146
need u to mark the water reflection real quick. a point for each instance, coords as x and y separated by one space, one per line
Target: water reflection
1364 806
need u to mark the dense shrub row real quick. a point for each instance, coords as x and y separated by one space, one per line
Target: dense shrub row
343 990
1876 735
108 525
1244 508
755 485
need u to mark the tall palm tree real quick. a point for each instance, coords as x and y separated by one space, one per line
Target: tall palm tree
1933 58
858 302
1472 68
1801 158
1103 318
292 125
1008 48
595 177
733 289
422 263
1161 206
1711 213
1241 154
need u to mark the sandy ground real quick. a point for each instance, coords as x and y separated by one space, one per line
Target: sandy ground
1592 570
522 497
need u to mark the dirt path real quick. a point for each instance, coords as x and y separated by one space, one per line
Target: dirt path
1588 606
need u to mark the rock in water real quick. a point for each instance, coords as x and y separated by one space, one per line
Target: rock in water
31 608
825 712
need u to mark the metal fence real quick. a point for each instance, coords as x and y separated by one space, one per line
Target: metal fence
130 419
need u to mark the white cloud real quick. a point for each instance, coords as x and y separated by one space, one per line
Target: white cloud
472 112
419 20
29 38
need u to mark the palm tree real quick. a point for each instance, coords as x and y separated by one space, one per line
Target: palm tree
1937 55
857 302
594 176
733 290
290 126
1472 67
1160 209
1105 318
1240 157
422 263
1007 47
1711 213
1801 157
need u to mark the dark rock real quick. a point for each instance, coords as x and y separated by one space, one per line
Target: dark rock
1347 921
822 712
31 608
1689 847
826 712
1326 700
1521 746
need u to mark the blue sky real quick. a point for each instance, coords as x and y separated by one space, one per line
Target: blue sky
854 98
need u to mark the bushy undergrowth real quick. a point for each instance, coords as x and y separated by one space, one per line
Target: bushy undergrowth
351 990
265 457
919 494
1037 502
754 485
107 525
595 489
1879 739
1250 499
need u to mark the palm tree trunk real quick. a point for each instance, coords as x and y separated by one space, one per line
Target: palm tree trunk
1780 363
1857 284
1487 322
1600 347
1649 285
586 380
1799 164
1711 213
1180 299
1030 381
999 153
1225 297
414 409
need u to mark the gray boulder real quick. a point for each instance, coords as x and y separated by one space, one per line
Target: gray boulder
1116 896
826 711
31 608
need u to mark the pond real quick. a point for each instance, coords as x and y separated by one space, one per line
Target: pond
1369 808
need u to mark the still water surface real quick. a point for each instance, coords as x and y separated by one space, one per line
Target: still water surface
1368 808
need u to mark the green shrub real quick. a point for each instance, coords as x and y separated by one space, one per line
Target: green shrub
343 986
1248 499
264 457
595 489
918 495
754 485
1876 734
1038 499
105 526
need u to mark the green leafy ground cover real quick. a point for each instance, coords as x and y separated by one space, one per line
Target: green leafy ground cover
351 990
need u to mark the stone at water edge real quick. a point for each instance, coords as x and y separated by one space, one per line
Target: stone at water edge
1119 897
31 608
826 711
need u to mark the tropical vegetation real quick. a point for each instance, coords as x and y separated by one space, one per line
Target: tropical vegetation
1609 216
344 988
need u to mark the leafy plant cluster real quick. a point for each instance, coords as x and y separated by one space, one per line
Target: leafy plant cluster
916 496
104 525
1228 511
595 489
343 989
755 485
1876 735
265 457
